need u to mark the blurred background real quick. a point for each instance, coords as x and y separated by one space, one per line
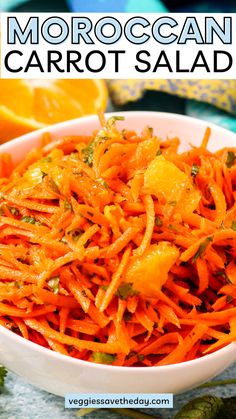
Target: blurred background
119 5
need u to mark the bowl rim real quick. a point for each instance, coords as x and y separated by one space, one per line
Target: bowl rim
61 125
79 362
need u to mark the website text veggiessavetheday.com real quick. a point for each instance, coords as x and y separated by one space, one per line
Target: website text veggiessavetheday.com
119 45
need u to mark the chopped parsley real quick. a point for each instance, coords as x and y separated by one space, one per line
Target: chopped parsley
172 203
111 121
30 220
13 210
159 152
229 298
202 248
195 170
46 159
53 283
158 221
67 205
101 136
230 159
172 227
126 290
103 183
88 153
233 225
103 358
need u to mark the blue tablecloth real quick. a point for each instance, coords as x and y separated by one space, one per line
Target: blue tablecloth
20 400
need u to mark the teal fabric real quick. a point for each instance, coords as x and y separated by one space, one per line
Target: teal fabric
7 5
210 113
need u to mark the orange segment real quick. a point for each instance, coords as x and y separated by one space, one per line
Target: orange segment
92 93
51 104
12 126
26 105
17 96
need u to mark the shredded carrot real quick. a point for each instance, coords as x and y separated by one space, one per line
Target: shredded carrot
206 138
150 214
106 256
115 281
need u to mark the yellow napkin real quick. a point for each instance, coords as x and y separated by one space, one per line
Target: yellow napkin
220 93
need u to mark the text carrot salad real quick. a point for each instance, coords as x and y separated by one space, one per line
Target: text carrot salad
117 249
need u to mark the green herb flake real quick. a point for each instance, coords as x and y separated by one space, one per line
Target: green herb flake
46 160
126 290
67 205
158 221
194 170
74 155
103 183
13 210
202 248
222 226
111 121
233 225
172 227
53 283
159 152
172 203
3 373
30 220
229 298
141 357
70 348
104 287
230 159
103 358
88 153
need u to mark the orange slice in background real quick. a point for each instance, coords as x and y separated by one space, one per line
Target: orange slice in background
26 105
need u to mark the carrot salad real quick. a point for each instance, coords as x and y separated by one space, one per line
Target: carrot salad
115 248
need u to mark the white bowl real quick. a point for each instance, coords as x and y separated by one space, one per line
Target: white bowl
60 374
